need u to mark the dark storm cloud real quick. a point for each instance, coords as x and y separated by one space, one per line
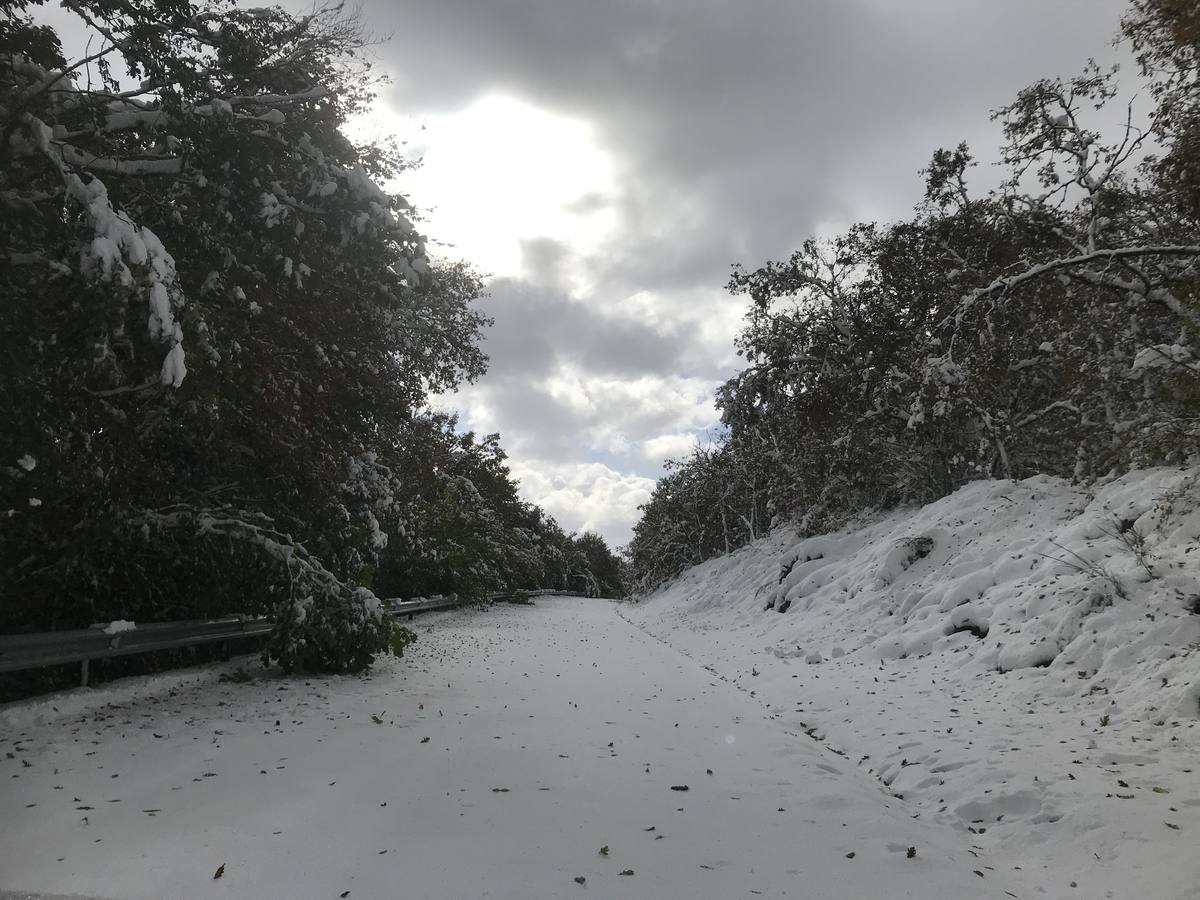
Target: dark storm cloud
540 326
740 126
594 419
535 421
537 329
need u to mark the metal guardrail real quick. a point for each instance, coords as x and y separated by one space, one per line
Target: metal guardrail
425 604
52 648
508 596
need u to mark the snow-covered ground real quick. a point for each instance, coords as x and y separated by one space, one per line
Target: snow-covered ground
1020 661
518 752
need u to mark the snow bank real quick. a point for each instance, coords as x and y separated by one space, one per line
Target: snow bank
1099 588
1019 658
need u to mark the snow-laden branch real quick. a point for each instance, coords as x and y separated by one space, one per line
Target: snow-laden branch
109 165
1164 356
1046 410
321 621
313 93
118 243
51 77
39 259
1005 283
144 387
309 578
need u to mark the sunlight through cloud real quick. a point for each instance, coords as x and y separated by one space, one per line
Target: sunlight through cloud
501 171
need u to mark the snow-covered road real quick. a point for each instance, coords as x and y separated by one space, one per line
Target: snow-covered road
498 759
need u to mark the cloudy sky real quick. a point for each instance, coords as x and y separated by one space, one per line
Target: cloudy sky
606 162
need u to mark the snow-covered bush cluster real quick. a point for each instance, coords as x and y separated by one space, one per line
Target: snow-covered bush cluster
1049 326
219 335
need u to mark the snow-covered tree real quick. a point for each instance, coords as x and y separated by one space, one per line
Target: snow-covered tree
1051 325
217 323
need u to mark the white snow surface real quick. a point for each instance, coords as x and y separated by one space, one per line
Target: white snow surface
495 760
1020 661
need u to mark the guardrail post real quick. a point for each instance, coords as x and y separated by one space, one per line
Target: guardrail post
83 674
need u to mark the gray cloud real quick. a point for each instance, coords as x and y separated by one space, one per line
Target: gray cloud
737 130
571 378
739 126
540 326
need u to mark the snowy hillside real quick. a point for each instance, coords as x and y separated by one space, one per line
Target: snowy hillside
1020 658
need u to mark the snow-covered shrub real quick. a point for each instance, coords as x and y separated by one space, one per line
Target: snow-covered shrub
335 631
398 637
906 552
338 630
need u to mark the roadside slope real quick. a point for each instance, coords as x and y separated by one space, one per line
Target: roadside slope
1020 660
